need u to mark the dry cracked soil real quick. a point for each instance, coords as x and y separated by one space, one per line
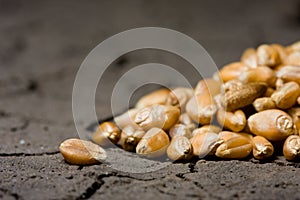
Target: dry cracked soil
42 44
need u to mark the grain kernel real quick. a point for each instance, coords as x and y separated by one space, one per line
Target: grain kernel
295 114
209 86
159 116
130 137
268 56
294 47
153 144
274 125
291 147
186 120
126 119
81 152
243 96
262 148
107 133
180 148
179 97
180 130
249 57
201 108
289 73
264 103
279 83
259 74
207 128
156 97
286 96
231 85
232 71
204 144
227 135
235 121
235 148
269 92
281 50
293 58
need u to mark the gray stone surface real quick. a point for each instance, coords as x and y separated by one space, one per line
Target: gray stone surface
42 44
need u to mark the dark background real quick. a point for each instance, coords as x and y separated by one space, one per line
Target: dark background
42 44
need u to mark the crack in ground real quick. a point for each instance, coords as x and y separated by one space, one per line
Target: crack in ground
96 185
14 195
99 182
27 154
192 170
192 167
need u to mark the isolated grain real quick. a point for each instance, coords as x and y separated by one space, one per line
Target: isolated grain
180 148
264 103
286 96
262 148
273 124
291 147
81 152
243 95
153 144
156 97
234 148
235 121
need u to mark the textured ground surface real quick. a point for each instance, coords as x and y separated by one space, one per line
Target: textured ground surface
42 44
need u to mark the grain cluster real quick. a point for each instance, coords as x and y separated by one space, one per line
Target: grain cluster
249 108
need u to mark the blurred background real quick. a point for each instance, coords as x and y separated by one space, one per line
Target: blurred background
43 43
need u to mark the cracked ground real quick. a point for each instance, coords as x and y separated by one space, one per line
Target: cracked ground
43 43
